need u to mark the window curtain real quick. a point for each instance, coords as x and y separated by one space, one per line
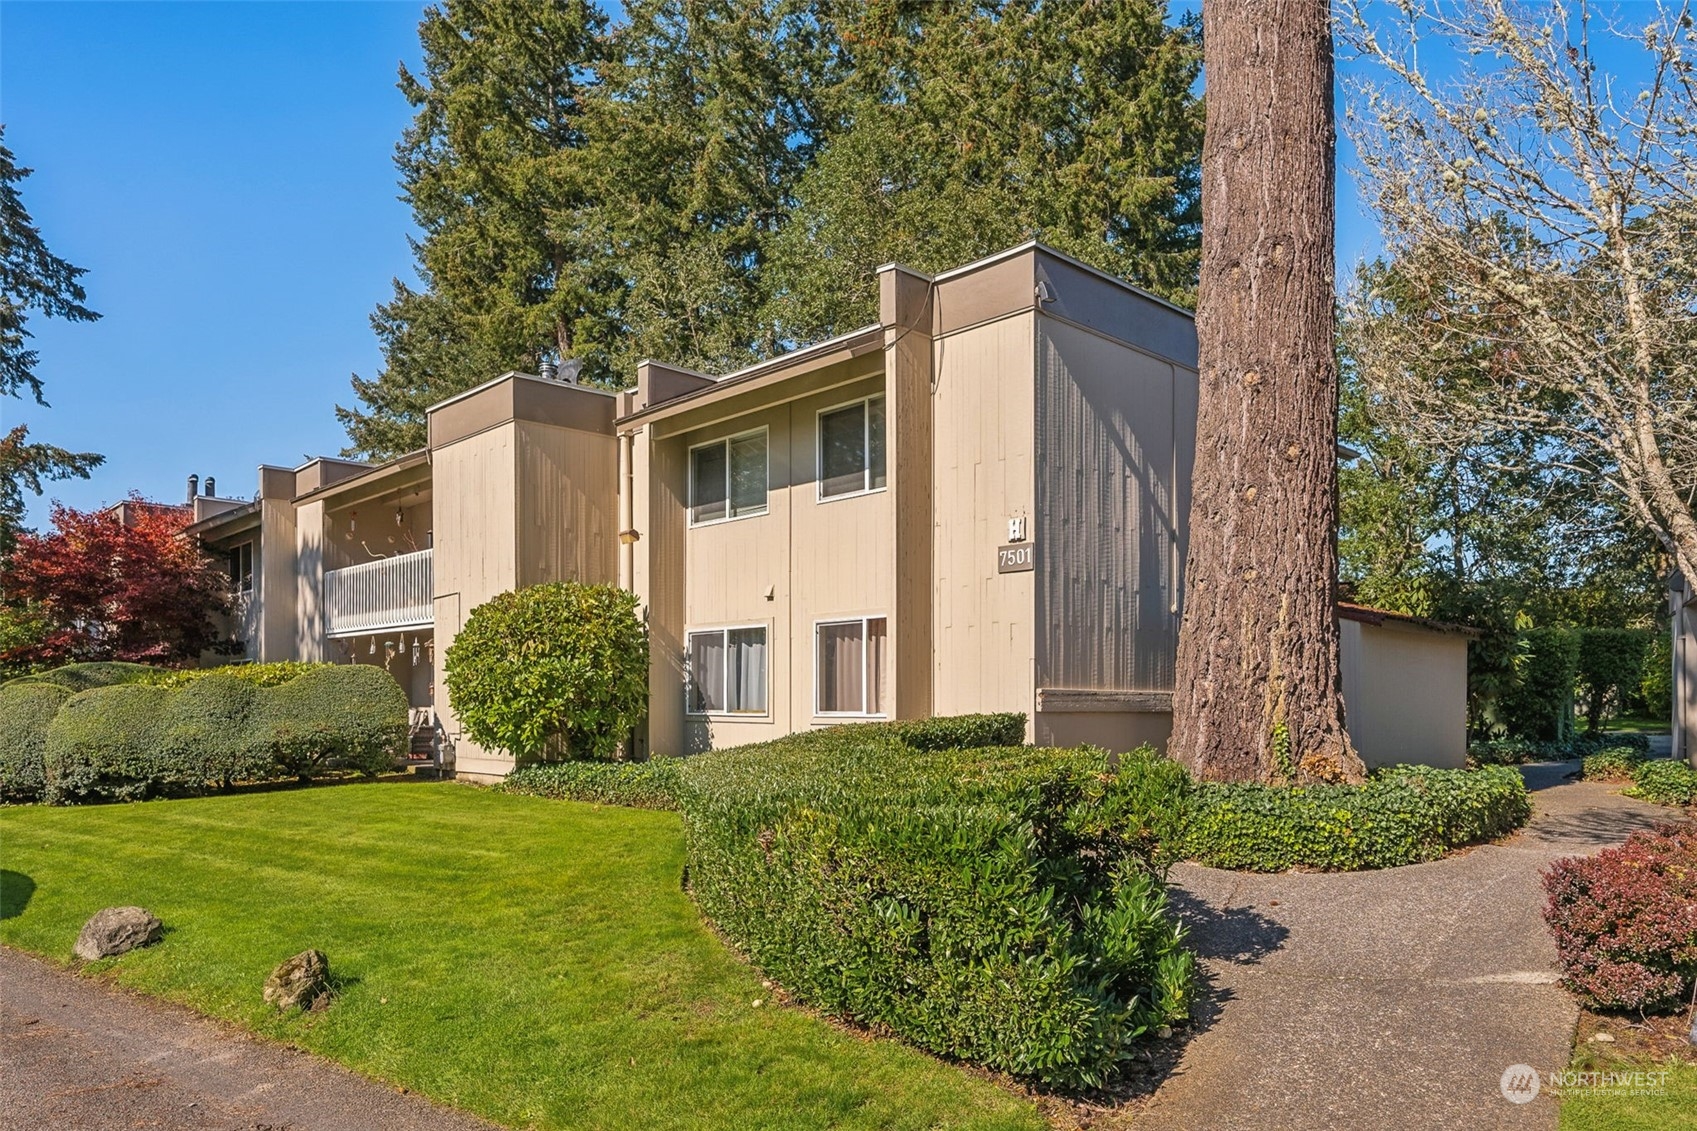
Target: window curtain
747 691
707 483
707 672
875 649
841 667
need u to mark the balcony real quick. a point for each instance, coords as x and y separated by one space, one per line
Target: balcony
379 596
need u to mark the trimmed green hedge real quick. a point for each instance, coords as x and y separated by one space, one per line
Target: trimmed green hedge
104 743
341 717
961 732
206 735
26 711
1402 815
1004 906
137 740
102 673
260 675
636 785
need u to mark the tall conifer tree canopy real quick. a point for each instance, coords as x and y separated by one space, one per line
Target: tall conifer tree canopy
708 182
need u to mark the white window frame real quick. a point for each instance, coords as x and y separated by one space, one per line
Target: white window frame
866 442
724 631
725 442
865 684
236 583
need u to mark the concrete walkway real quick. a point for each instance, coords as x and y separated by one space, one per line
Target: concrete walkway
78 1055
1386 999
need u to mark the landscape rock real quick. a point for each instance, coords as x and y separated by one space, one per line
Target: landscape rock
299 982
117 930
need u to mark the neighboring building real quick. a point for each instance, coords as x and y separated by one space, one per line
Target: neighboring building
975 504
1682 605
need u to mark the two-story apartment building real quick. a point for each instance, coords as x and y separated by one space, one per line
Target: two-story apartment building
976 503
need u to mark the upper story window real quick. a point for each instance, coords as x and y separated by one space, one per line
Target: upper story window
241 568
727 671
851 449
727 478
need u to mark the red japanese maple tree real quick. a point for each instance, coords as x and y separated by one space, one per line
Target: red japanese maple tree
115 588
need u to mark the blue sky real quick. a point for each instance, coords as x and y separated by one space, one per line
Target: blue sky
224 172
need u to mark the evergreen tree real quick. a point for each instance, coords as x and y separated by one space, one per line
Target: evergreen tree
494 170
707 116
963 129
31 278
708 181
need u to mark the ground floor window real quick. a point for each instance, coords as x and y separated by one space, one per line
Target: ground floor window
727 671
849 671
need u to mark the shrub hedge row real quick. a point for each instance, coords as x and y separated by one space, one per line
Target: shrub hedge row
129 740
102 673
260 675
1517 751
1000 905
636 785
1402 815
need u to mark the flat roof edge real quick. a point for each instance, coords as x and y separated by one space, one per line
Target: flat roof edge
515 375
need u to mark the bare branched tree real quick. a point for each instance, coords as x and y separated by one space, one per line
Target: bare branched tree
1541 219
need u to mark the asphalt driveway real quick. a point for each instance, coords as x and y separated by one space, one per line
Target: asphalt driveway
1387 999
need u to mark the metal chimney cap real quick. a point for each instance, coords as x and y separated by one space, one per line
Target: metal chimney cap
547 370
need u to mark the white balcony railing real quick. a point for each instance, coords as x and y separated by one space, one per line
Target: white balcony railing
388 593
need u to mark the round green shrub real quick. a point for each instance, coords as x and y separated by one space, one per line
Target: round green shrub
1612 763
335 718
104 744
555 669
26 711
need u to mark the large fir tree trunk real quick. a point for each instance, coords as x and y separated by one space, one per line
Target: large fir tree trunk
1258 696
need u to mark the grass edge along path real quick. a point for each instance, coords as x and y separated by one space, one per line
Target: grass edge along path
534 962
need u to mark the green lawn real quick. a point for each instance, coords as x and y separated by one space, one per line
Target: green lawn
1675 1110
533 961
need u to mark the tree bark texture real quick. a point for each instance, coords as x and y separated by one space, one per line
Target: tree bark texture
1258 694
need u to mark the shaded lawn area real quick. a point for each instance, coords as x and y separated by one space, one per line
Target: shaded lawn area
533 961
1676 1110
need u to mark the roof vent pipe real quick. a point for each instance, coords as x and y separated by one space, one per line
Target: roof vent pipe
547 369
211 487
194 487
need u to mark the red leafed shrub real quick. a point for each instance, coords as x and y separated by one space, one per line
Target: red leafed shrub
1625 920
114 588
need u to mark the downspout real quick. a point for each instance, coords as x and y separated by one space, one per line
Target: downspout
627 511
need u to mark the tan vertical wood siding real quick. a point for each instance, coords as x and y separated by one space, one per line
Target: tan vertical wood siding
567 494
476 514
984 437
